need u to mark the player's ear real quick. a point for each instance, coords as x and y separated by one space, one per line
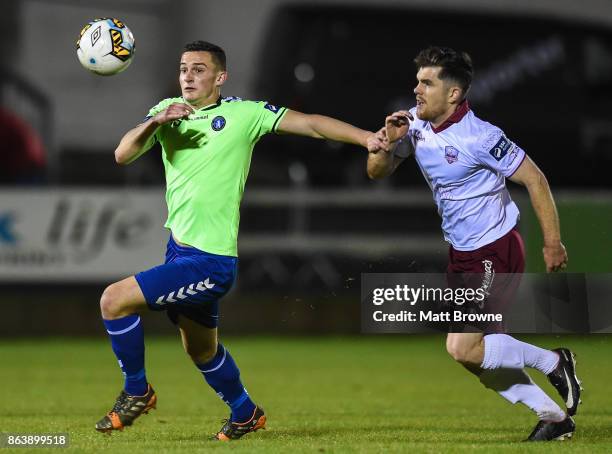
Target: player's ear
455 94
221 78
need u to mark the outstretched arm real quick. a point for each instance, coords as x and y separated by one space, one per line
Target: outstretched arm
382 161
322 127
138 140
530 176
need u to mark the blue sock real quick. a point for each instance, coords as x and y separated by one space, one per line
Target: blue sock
127 338
222 374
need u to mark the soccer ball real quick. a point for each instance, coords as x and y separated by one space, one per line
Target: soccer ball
105 46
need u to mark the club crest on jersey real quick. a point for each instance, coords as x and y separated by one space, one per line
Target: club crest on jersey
501 148
271 108
451 154
218 123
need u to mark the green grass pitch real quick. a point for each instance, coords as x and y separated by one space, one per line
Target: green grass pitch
322 395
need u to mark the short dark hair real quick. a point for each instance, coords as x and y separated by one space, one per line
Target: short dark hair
217 53
456 66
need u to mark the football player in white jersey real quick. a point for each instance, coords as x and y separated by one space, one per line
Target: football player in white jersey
466 161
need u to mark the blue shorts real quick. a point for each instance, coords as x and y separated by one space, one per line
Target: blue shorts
190 283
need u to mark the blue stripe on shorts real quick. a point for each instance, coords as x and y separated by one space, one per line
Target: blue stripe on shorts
190 283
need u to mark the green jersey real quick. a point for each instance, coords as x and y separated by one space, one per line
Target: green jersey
207 158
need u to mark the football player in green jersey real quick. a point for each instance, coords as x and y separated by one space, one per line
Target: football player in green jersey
207 141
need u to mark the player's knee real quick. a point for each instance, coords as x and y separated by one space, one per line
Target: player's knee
454 352
201 354
110 302
459 352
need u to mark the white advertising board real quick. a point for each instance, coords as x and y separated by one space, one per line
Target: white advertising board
80 235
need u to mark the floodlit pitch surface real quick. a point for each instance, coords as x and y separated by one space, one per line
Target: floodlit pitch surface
361 394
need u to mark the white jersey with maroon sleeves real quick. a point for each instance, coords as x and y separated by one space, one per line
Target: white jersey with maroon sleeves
465 162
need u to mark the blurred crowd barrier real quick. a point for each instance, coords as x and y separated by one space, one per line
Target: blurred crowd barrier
302 251
290 237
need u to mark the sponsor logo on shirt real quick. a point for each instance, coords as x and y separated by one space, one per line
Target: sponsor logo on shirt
416 135
218 123
271 108
501 148
451 154
446 193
